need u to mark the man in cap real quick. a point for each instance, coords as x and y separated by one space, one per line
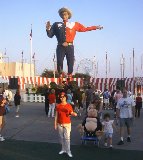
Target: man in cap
65 32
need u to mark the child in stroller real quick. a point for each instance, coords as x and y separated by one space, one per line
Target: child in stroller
92 127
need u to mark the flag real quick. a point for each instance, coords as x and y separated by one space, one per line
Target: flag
31 33
33 56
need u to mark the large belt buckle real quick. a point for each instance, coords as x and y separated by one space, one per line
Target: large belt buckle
65 44
69 44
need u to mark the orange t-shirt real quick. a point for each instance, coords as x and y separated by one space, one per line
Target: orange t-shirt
64 112
52 98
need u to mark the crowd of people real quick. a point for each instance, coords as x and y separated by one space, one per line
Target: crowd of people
125 108
66 101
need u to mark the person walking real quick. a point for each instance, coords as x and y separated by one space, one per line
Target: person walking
106 97
46 102
65 32
63 123
138 105
69 97
118 94
89 96
125 113
52 103
17 99
2 119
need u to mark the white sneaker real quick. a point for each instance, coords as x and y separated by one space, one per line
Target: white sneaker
61 152
17 116
2 139
111 146
69 154
105 144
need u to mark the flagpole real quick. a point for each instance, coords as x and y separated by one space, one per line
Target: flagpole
5 63
94 67
22 64
5 52
106 64
133 72
54 66
34 61
31 50
97 70
130 63
141 62
123 66
109 67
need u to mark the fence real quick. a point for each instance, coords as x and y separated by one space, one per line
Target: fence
33 98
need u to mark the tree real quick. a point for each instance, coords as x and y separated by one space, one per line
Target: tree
81 75
49 74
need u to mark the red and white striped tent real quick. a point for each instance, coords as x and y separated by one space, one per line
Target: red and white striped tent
110 83
23 81
100 83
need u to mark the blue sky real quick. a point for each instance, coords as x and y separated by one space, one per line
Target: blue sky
121 19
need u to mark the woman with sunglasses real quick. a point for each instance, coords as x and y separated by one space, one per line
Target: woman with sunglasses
63 123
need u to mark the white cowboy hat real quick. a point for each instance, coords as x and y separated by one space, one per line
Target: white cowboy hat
65 10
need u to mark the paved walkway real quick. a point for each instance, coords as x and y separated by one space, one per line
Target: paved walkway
33 125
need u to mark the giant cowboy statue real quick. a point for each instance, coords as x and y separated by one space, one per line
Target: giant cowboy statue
65 32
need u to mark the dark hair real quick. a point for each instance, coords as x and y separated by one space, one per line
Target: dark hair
63 94
106 115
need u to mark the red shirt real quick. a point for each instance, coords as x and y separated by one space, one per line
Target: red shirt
64 112
73 27
138 99
52 98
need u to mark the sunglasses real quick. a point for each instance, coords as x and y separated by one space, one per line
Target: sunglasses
62 96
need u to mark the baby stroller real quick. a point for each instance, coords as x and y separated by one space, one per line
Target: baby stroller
94 136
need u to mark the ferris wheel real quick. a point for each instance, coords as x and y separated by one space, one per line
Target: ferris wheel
87 66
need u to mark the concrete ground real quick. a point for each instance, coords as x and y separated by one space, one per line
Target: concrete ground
34 125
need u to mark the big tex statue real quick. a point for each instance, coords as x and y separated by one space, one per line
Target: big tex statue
65 32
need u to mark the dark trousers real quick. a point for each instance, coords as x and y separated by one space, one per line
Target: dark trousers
61 53
87 105
46 108
137 111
